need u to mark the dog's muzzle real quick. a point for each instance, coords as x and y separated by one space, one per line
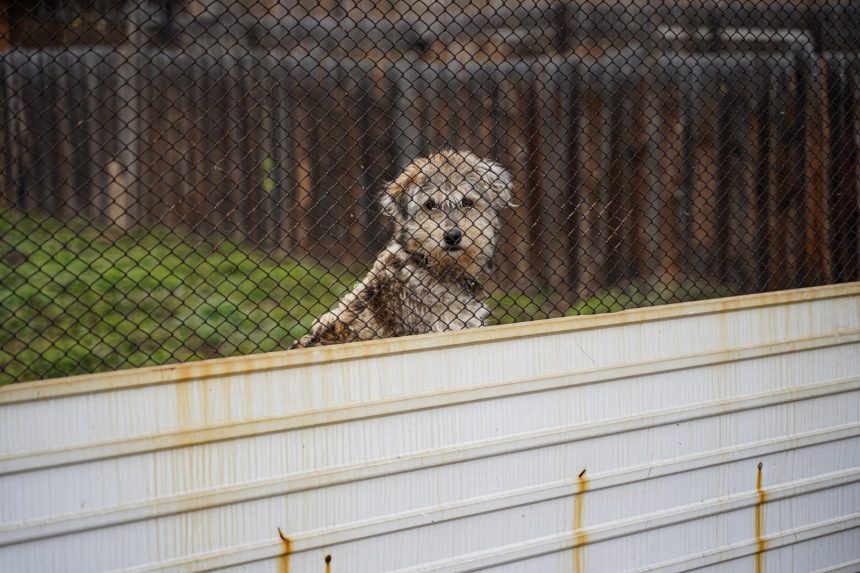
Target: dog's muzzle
452 238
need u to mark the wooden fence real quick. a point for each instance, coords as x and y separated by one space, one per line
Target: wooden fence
738 169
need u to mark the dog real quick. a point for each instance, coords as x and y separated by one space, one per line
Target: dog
446 214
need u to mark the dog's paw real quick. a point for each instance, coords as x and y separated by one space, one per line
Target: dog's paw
305 341
328 329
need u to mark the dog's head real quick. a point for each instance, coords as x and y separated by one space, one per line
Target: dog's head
446 210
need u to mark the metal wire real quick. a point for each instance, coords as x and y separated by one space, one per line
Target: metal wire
186 180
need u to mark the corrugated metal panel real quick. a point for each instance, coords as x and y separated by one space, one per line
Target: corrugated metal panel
722 435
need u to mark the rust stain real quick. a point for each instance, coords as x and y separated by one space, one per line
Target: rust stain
183 405
284 560
580 537
759 533
328 564
190 370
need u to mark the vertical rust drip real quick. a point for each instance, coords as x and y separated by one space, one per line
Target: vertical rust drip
580 537
328 564
759 533
284 560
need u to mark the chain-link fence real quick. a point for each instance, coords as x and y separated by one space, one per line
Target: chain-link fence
191 179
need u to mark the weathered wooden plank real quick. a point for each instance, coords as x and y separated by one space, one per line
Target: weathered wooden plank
236 143
843 175
669 148
407 123
726 176
322 201
477 137
636 255
282 172
203 102
852 201
704 109
192 84
338 194
817 157
764 184
40 95
688 179
255 149
61 82
783 222
181 86
617 179
651 127
593 156
746 153
516 261
734 177
150 200
171 141
350 109
377 154
460 112
305 177
532 163
553 160
130 127
6 195
103 85
218 129
801 229
78 118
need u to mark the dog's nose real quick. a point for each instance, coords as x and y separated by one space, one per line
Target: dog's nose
453 236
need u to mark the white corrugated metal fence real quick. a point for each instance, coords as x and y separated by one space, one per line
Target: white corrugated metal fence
721 435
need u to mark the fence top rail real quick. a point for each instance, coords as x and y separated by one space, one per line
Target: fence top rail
632 53
138 377
672 66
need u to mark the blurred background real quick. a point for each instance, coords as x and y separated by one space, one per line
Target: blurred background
183 180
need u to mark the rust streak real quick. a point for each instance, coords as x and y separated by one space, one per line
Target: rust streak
328 564
580 537
284 560
759 533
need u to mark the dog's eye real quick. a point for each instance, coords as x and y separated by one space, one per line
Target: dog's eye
430 205
466 202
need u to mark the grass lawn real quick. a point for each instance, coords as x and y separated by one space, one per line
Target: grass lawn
508 307
73 299
76 298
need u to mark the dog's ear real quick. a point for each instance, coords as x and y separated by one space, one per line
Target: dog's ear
496 177
500 180
395 197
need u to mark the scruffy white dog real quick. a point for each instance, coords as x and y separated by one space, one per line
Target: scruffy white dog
430 277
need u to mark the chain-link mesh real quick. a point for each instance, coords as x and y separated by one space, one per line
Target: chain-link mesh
191 179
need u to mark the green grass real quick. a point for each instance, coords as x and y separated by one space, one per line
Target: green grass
77 298
74 299
509 307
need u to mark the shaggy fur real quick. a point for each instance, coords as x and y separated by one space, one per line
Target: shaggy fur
430 277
